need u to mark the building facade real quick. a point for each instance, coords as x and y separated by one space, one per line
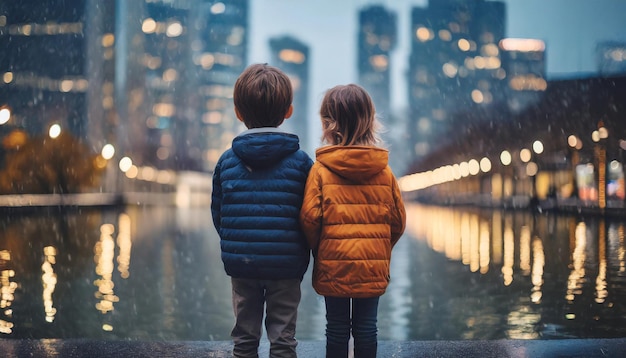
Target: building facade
151 78
611 58
43 66
163 54
292 56
219 51
523 61
193 52
376 40
454 62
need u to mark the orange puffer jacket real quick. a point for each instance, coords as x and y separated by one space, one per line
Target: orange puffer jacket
352 215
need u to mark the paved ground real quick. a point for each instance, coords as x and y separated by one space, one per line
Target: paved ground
387 349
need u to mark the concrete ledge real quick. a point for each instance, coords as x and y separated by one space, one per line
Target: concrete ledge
306 349
42 200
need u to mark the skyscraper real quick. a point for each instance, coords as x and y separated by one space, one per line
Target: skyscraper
611 58
101 39
185 55
377 38
189 54
42 67
165 57
153 78
292 56
454 62
524 63
219 54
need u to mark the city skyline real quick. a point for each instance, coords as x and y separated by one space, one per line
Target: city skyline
570 40
165 129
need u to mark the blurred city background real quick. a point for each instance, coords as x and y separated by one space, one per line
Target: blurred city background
505 122
114 97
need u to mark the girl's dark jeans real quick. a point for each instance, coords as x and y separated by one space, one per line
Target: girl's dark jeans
360 319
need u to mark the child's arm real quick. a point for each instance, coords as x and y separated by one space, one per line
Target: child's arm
216 198
398 219
311 211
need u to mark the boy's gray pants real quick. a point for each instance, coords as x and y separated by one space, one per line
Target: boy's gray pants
249 298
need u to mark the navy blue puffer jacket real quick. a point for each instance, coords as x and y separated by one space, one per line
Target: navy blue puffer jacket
258 187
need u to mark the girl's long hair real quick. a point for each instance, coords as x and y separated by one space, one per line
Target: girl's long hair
349 117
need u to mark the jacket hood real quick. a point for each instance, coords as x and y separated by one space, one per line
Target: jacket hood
263 147
353 162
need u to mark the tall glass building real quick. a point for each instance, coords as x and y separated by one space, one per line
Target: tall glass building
42 66
219 53
524 63
193 52
292 56
611 58
454 62
376 40
153 78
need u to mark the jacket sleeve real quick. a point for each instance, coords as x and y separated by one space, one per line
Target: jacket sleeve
311 212
216 197
398 219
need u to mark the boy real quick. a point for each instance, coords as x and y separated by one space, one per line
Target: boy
258 188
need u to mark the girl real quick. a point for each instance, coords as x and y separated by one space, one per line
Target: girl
352 215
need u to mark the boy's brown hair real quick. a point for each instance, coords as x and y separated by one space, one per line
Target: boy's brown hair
349 117
262 96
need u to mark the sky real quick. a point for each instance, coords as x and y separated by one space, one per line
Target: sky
570 28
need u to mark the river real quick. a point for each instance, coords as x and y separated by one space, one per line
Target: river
155 273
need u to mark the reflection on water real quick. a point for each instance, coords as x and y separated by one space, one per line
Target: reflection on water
49 281
528 276
156 273
8 288
136 273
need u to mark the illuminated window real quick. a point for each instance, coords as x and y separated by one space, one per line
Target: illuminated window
522 45
379 62
450 69
164 109
477 96
218 8
424 34
213 117
292 56
7 77
149 26
445 35
423 125
170 75
463 44
489 50
174 29
108 40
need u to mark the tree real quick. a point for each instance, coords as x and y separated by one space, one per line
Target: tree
45 165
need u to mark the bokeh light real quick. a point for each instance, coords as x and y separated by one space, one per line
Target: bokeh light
125 164
54 131
5 115
505 157
108 151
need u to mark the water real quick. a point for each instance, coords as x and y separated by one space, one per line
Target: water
154 273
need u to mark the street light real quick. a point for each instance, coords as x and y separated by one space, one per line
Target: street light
125 164
575 144
622 147
54 131
598 137
525 155
505 157
108 151
5 115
